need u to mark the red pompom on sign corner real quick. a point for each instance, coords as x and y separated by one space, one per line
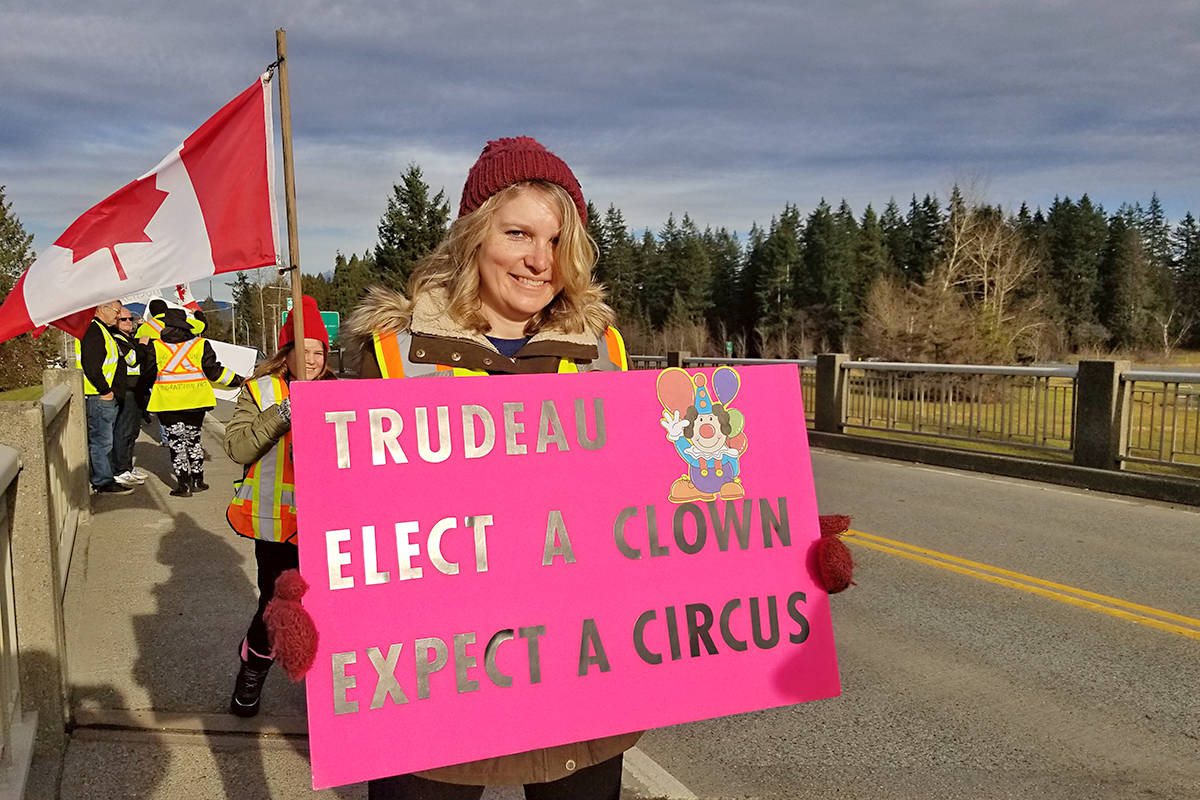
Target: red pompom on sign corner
835 564
290 629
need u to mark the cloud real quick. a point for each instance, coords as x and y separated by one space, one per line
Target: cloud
723 111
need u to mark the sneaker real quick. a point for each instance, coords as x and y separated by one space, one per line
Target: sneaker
113 488
127 478
247 690
141 473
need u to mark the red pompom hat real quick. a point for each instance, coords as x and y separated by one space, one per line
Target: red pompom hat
314 327
504 162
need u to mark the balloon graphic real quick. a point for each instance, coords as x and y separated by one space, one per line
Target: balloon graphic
675 390
737 422
726 384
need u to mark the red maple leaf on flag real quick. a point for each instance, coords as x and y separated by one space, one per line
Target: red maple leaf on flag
120 218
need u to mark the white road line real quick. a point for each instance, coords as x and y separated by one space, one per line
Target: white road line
657 781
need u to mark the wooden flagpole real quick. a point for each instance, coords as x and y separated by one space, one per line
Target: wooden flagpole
289 189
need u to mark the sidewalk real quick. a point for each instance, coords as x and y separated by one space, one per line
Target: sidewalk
159 595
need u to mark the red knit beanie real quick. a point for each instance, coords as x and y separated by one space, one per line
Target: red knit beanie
314 327
504 162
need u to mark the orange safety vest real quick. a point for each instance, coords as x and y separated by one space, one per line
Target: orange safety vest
264 500
391 356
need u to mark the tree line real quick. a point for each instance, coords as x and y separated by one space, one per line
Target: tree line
959 281
956 281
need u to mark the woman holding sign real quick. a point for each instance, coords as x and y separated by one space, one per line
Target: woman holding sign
509 291
263 506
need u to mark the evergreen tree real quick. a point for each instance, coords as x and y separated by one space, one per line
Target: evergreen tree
16 246
824 289
751 272
1123 301
595 229
896 238
651 298
925 237
248 309
1156 236
351 277
777 270
411 227
693 272
1074 239
21 358
870 260
725 258
1185 246
617 270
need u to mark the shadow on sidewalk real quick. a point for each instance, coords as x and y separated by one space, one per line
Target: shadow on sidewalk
172 567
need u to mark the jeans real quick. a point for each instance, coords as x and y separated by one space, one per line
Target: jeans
128 425
598 782
101 424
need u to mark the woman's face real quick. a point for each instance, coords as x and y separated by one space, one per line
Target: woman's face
314 360
518 276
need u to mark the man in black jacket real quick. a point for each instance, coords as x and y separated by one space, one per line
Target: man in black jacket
138 359
103 390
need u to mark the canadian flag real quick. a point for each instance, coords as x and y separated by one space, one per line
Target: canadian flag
205 209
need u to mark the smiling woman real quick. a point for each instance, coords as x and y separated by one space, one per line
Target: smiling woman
508 291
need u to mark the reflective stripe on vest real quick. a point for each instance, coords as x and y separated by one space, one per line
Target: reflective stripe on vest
179 368
391 351
133 367
108 368
150 328
264 501
181 384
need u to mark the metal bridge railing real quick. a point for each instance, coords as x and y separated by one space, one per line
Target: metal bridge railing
1030 408
807 367
1129 417
1163 423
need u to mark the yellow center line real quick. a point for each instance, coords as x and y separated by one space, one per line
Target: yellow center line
1033 585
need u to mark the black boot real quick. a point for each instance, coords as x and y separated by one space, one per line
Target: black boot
198 484
247 689
184 488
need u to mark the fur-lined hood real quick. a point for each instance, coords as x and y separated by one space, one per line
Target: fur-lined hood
386 311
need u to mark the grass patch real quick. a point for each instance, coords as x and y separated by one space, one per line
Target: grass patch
24 393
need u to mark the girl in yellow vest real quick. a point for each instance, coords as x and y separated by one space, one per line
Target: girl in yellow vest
185 364
259 436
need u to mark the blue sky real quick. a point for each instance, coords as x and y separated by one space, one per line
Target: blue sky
725 111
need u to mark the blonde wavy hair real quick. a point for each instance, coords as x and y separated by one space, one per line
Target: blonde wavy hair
579 307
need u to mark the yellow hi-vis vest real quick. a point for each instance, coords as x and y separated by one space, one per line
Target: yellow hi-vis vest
264 501
151 328
133 367
181 384
391 353
108 368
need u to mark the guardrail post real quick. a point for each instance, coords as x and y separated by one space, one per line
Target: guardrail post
675 358
831 392
41 637
1100 409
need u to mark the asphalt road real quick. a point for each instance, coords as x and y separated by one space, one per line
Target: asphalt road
962 681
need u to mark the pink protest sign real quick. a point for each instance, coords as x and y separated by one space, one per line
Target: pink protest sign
506 564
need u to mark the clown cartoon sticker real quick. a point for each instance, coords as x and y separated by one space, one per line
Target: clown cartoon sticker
708 435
